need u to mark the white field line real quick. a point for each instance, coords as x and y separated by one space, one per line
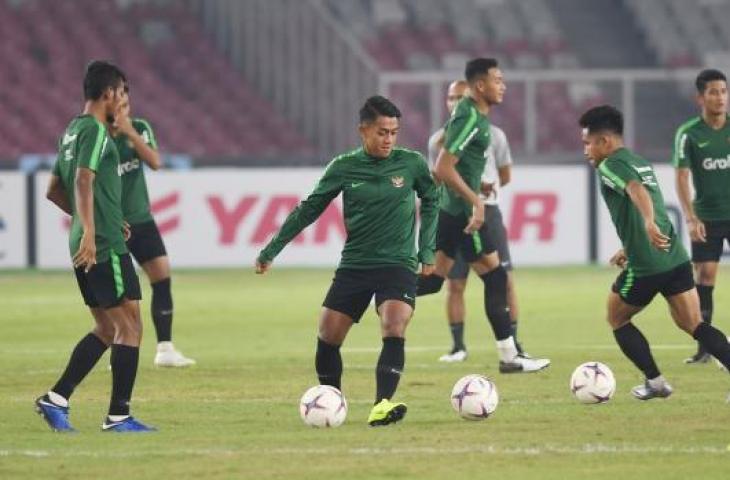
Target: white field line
547 449
442 348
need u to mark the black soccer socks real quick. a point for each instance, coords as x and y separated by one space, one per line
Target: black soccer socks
428 284
636 348
162 310
495 302
124 361
390 367
714 342
706 302
83 358
457 333
328 363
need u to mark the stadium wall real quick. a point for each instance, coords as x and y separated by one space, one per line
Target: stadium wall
223 217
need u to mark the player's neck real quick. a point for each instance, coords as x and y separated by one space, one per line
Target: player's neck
95 110
715 122
481 104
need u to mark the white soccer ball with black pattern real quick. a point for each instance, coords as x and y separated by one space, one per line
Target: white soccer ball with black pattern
593 382
323 406
474 397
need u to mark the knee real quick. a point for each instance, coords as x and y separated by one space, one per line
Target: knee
456 287
394 328
105 332
129 329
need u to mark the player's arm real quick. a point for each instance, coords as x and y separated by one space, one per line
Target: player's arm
505 175
681 162
84 197
56 194
641 199
143 140
502 156
428 193
328 187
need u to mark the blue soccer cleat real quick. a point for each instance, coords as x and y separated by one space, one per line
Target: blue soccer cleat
129 424
55 416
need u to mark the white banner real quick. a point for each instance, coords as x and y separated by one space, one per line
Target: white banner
13 220
608 242
223 217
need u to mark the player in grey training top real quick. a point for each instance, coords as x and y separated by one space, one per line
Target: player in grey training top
497 173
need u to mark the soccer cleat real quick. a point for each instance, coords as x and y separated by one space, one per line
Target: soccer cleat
386 412
523 363
129 424
167 356
700 357
55 416
647 392
454 356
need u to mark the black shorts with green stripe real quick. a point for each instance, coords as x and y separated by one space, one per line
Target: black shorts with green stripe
108 283
450 238
640 291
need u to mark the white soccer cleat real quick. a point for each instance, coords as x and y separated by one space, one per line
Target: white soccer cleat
167 356
454 357
522 364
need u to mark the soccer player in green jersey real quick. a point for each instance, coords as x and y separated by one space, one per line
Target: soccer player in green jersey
379 183
652 259
86 185
137 146
702 151
461 227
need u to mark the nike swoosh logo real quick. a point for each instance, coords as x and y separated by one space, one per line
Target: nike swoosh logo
405 295
107 426
355 185
703 145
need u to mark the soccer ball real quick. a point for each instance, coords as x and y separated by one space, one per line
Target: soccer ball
474 397
593 382
323 406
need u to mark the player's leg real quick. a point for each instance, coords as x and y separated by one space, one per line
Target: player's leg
345 302
54 405
148 248
705 274
448 235
479 250
395 302
456 309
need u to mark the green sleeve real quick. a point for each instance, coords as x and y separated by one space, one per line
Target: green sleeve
682 147
145 130
428 192
460 128
618 174
90 144
328 187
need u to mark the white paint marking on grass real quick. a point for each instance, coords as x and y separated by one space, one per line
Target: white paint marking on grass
537 450
443 348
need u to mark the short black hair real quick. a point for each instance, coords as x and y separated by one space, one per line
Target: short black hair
707 76
603 118
376 106
99 76
477 67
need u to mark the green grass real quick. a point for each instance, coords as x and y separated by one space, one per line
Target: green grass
235 414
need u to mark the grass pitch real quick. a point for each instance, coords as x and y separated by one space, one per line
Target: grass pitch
235 414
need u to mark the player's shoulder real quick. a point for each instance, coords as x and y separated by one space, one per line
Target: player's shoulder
689 125
86 122
140 124
408 155
464 107
497 133
343 160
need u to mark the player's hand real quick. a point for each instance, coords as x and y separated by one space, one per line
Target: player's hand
126 231
85 257
656 237
697 230
619 259
477 219
262 267
123 123
427 269
487 188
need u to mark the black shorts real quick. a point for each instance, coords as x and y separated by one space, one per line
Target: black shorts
717 233
353 288
146 242
450 238
639 291
497 234
108 283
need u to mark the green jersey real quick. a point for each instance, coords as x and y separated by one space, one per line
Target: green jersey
615 173
706 152
135 199
467 137
86 143
379 209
